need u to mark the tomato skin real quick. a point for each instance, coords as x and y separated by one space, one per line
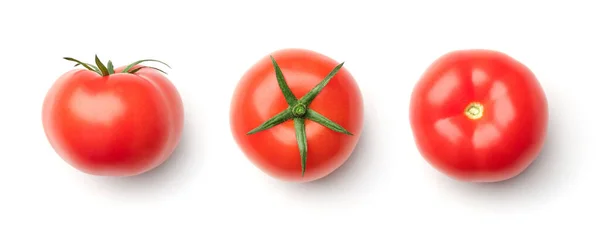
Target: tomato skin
119 125
511 131
275 151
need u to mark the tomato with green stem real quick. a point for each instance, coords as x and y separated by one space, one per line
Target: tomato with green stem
479 115
297 115
113 121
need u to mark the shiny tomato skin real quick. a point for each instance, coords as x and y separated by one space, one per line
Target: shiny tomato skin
275 151
119 125
172 95
510 132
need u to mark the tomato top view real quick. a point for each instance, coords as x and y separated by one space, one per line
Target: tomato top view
113 121
297 115
479 116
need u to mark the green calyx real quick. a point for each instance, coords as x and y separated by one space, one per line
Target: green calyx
298 111
108 69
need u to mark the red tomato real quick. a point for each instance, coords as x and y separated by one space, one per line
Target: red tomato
113 122
479 116
279 126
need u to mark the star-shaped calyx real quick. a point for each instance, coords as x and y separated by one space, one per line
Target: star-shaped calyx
298 110
108 69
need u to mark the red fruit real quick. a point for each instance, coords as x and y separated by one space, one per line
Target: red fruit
301 124
479 115
113 122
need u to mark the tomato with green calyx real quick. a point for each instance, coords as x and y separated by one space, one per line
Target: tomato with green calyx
113 121
479 116
297 115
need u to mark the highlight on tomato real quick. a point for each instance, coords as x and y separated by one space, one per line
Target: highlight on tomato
479 115
111 121
297 115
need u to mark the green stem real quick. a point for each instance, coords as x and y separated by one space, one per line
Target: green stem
109 69
299 111
86 65
102 67
300 127
285 89
275 120
128 68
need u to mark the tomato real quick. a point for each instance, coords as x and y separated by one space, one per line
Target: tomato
300 124
479 115
113 122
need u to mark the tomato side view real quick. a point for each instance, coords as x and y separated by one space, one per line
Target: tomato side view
479 116
110 121
297 115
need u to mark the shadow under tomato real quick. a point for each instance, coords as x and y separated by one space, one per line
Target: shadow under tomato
545 177
162 180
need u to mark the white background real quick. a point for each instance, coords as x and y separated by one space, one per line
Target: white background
209 184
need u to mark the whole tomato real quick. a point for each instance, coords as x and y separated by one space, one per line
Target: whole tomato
297 115
479 115
113 122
